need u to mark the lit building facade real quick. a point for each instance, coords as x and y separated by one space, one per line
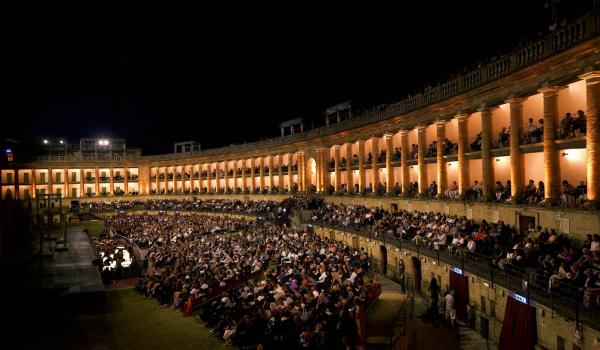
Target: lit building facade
543 81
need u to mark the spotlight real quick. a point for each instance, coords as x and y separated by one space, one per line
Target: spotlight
45 142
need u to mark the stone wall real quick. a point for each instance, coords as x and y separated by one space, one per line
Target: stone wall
487 299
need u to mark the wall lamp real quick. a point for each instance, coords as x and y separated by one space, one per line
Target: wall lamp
565 154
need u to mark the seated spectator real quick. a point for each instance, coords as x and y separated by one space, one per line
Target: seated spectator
476 144
503 138
567 126
580 124
567 197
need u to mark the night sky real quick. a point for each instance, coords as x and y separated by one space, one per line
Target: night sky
223 72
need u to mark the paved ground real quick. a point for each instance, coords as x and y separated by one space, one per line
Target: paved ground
384 316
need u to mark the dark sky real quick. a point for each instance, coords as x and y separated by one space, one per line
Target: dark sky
223 72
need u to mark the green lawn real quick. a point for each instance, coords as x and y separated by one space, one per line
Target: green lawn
136 322
94 227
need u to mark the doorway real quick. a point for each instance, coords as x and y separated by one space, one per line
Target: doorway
524 222
416 265
383 252
460 284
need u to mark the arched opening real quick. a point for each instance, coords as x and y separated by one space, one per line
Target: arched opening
383 252
416 265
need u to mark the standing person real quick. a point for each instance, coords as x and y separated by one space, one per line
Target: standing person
450 308
401 276
436 292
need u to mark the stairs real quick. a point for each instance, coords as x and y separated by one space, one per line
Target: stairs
471 340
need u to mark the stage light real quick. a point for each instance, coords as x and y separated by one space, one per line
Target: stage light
45 142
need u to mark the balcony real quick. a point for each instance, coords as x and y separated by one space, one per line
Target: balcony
119 179
90 180
104 179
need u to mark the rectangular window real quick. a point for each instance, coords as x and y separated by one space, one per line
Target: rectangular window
26 193
88 174
104 174
9 178
118 174
58 192
89 190
73 177
74 192
42 177
104 190
43 191
58 177
26 177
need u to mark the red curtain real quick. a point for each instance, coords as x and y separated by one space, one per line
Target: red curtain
519 330
460 284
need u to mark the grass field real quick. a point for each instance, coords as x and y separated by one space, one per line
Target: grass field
94 227
136 322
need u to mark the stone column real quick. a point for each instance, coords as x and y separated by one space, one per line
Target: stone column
126 180
81 182
65 184
422 143
336 168
552 188
374 166
111 182
463 148
389 167
280 173
50 182
226 174
33 184
517 171
361 166
261 173
290 182
167 179
349 173
487 166
317 179
243 166
97 181
404 156
442 170
208 177
252 176
326 179
592 80
271 174
301 172
157 180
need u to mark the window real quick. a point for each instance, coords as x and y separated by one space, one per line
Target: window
42 177
26 193
492 308
9 178
26 177
58 192
73 177
58 177
88 174
73 192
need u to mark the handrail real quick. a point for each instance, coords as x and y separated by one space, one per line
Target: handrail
570 305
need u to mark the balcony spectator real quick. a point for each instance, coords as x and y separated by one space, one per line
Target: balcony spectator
476 144
580 123
503 138
414 151
432 190
397 155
